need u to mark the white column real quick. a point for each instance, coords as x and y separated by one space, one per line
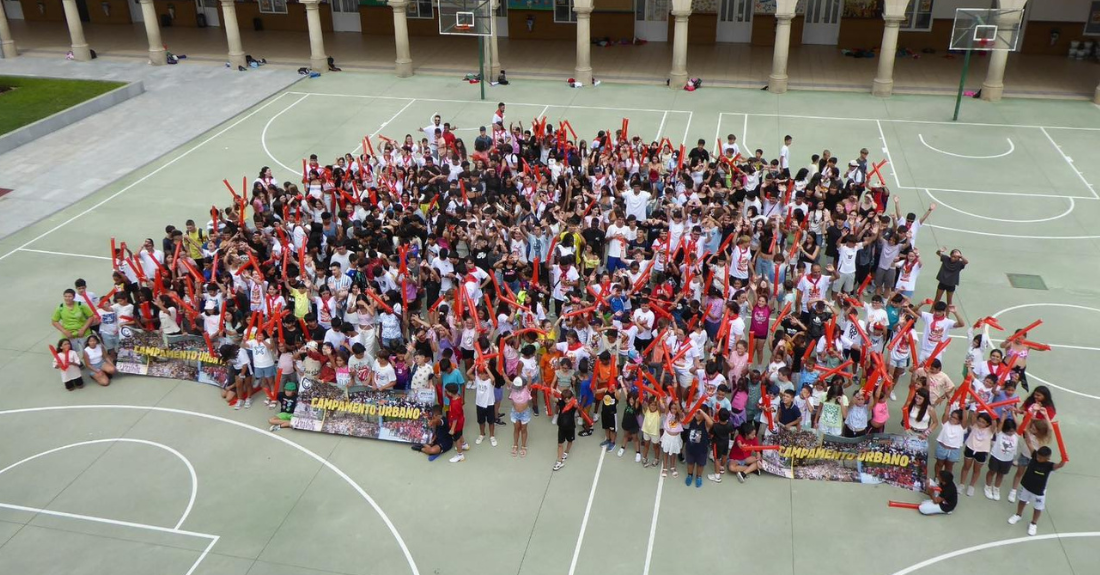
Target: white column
678 75
583 71
403 65
7 45
777 81
232 33
993 87
158 56
494 48
81 51
1096 96
318 60
884 79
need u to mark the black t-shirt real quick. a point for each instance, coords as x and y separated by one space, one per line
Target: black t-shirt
566 419
789 414
817 324
949 271
442 435
287 404
950 496
1036 476
722 432
697 439
594 237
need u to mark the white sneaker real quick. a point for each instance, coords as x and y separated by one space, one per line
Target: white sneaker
893 397
248 403
1014 520
970 491
558 465
715 477
237 406
492 441
595 418
996 494
637 457
1012 496
273 428
620 451
565 456
1032 529
988 492
458 458
480 438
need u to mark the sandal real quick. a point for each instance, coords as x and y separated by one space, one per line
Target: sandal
664 472
515 449
675 473
523 452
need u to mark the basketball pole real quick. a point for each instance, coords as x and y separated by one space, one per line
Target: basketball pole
481 63
962 83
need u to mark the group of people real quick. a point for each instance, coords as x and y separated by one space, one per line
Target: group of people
710 295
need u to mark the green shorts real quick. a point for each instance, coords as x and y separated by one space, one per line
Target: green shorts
285 416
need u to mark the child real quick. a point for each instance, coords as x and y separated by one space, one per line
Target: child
567 428
236 384
949 443
721 429
978 444
743 461
582 382
631 430
70 369
651 431
485 403
948 496
671 442
1035 487
697 446
1035 436
458 420
520 416
287 401
529 370
880 412
856 422
441 437
1001 455
609 406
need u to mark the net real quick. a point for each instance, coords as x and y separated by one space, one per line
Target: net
465 17
984 30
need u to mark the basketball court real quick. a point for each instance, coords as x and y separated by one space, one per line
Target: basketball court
159 476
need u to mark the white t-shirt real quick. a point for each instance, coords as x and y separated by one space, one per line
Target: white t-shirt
617 247
813 290
384 375
934 331
644 321
846 260
636 203
907 278
785 157
559 281
444 267
484 396
261 355
741 259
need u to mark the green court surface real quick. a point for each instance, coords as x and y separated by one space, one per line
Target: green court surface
159 476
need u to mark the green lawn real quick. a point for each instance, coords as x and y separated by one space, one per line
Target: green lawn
32 99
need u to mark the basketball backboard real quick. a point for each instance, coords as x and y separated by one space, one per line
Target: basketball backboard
985 30
466 17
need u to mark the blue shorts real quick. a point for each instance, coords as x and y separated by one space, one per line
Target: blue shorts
946 454
264 372
110 340
520 416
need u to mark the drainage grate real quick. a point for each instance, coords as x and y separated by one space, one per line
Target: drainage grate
1026 281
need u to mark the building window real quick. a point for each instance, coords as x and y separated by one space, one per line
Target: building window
918 16
563 12
273 6
420 9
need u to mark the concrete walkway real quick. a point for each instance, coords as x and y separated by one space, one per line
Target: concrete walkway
180 103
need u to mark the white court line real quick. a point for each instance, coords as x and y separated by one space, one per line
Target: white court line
213 538
745 135
587 512
886 150
1011 148
384 124
1021 194
263 135
486 102
143 178
1072 205
1032 375
347 479
190 468
993 545
62 254
901 121
661 127
687 127
653 525
1011 236
1070 162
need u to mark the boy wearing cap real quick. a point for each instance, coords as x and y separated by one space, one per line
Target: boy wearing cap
287 400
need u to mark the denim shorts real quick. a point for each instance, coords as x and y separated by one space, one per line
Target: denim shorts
263 372
946 454
520 416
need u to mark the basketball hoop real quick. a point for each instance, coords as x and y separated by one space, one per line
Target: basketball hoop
463 27
984 43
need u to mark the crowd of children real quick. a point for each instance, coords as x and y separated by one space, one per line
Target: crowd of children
696 298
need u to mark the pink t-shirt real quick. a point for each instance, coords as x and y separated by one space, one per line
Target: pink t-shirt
880 413
761 315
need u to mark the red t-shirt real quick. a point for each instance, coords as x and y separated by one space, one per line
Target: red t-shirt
738 454
455 414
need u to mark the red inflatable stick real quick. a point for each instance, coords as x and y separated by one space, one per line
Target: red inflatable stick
1023 332
694 408
935 352
1058 438
62 364
761 447
901 333
902 505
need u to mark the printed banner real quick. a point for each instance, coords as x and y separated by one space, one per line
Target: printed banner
898 460
186 357
363 412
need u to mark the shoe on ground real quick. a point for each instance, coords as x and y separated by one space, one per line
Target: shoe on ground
1014 520
637 457
610 447
1032 529
414 447
687 481
585 433
595 418
604 443
274 428
458 458
715 477
970 491
558 465
893 397
237 406
996 494
565 456
620 451
988 492
492 441
248 403
479 439
740 477
698 482
1012 496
